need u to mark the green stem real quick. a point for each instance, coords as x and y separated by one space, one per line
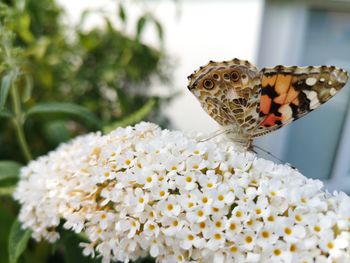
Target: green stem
18 123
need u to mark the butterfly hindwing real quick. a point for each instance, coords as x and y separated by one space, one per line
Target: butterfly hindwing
229 92
288 93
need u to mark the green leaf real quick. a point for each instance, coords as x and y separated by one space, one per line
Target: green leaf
5 113
23 28
121 12
20 5
159 29
28 87
56 131
65 108
133 118
140 26
9 169
18 241
123 100
7 190
73 252
5 88
6 220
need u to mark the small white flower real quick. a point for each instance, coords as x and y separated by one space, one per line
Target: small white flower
189 239
138 200
170 206
142 190
188 181
151 228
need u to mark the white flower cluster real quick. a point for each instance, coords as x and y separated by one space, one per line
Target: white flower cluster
142 190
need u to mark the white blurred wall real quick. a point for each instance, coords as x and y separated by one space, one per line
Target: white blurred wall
195 32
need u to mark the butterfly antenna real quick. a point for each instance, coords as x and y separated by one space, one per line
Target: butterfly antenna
215 134
274 156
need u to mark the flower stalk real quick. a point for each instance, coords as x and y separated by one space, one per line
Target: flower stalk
18 121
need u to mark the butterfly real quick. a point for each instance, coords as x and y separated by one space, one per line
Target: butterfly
249 102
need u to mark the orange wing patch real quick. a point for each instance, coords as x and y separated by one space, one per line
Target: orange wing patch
265 104
271 120
277 92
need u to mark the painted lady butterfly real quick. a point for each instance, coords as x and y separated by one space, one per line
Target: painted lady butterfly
250 103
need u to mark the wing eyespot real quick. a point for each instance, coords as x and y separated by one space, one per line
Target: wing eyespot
208 84
226 76
235 76
216 76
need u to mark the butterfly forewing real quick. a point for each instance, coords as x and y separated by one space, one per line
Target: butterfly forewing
288 93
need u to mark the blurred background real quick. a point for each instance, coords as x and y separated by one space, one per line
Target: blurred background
91 65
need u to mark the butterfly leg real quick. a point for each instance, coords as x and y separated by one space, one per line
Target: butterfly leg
250 147
214 134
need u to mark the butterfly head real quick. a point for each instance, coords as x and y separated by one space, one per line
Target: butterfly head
220 77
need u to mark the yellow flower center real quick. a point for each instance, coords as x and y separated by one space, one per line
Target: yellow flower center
217 236
190 237
317 228
200 213
287 230
233 226
293 248
265 234
170 207
298 218
248 239
330 245
234 249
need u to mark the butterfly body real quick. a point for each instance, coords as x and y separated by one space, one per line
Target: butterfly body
250 103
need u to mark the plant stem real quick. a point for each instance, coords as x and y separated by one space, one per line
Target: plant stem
18 123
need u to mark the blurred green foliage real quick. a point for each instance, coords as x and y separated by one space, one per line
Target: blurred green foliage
101 69
59 81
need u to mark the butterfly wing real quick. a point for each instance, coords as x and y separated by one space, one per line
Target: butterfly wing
229 92
288 93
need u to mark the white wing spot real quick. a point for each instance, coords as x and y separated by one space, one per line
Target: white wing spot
197 93
332 91
312 96
322 79
231 94
329 82
286 111
310 81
